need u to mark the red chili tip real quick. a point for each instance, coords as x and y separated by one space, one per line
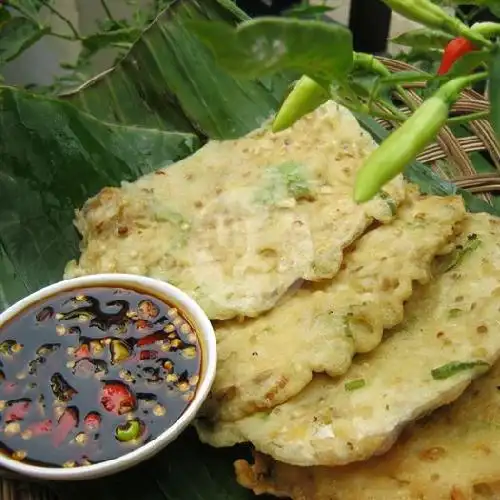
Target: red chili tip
455 49
117 398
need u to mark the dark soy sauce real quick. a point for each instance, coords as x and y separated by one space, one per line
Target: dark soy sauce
76 367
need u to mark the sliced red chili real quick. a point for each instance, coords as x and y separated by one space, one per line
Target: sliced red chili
117 398
456 49
41 428
151 339
67 422
92 420
17 411
145 355
83 351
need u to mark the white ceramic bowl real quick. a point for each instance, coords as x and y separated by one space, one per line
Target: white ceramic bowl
200 322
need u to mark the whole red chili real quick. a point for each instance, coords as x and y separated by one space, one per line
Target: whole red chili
456 49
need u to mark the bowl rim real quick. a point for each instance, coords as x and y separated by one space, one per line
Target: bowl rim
207 340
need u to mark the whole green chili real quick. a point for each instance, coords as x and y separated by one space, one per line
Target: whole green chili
409 140
433 16
304 98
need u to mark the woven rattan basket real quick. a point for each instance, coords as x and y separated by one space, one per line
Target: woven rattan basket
449 156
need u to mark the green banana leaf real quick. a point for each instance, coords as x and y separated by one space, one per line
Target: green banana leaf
169 80
157 106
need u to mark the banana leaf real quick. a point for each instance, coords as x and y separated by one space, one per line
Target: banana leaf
156 106
169 80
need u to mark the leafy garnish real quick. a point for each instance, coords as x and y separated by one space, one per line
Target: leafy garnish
454 367
296 183
461 251
390 202
352 385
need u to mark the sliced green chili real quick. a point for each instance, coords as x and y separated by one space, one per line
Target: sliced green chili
454 367
128 431
461 251
352 385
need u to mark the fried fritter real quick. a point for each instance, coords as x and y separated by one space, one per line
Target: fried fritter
454 454
239 222
450 335
264 361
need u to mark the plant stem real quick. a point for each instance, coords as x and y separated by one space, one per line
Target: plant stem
61 36
70 25
467 118
107 10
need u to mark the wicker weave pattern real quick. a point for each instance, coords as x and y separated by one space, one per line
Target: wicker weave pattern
448 151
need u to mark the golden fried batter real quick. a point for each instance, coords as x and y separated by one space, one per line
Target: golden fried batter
264 361
239 222
454 454
450 335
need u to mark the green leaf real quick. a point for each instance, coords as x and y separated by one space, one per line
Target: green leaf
28 7
16 35
169 80
98 41
494 91
423 38
307 11
53 158
255 48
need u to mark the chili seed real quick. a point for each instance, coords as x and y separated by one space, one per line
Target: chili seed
12 428
168 365
193 380
185 328
131 314
183 386
176 343
16 347
19 455
59 316
192 338
27 434
165 347
189 352
80 298
188 396
172 377
148 310
159 411
177 322
169 328
69 464
60 330
81 438
172 335
173 312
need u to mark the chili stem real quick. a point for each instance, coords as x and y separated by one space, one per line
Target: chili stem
470 117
